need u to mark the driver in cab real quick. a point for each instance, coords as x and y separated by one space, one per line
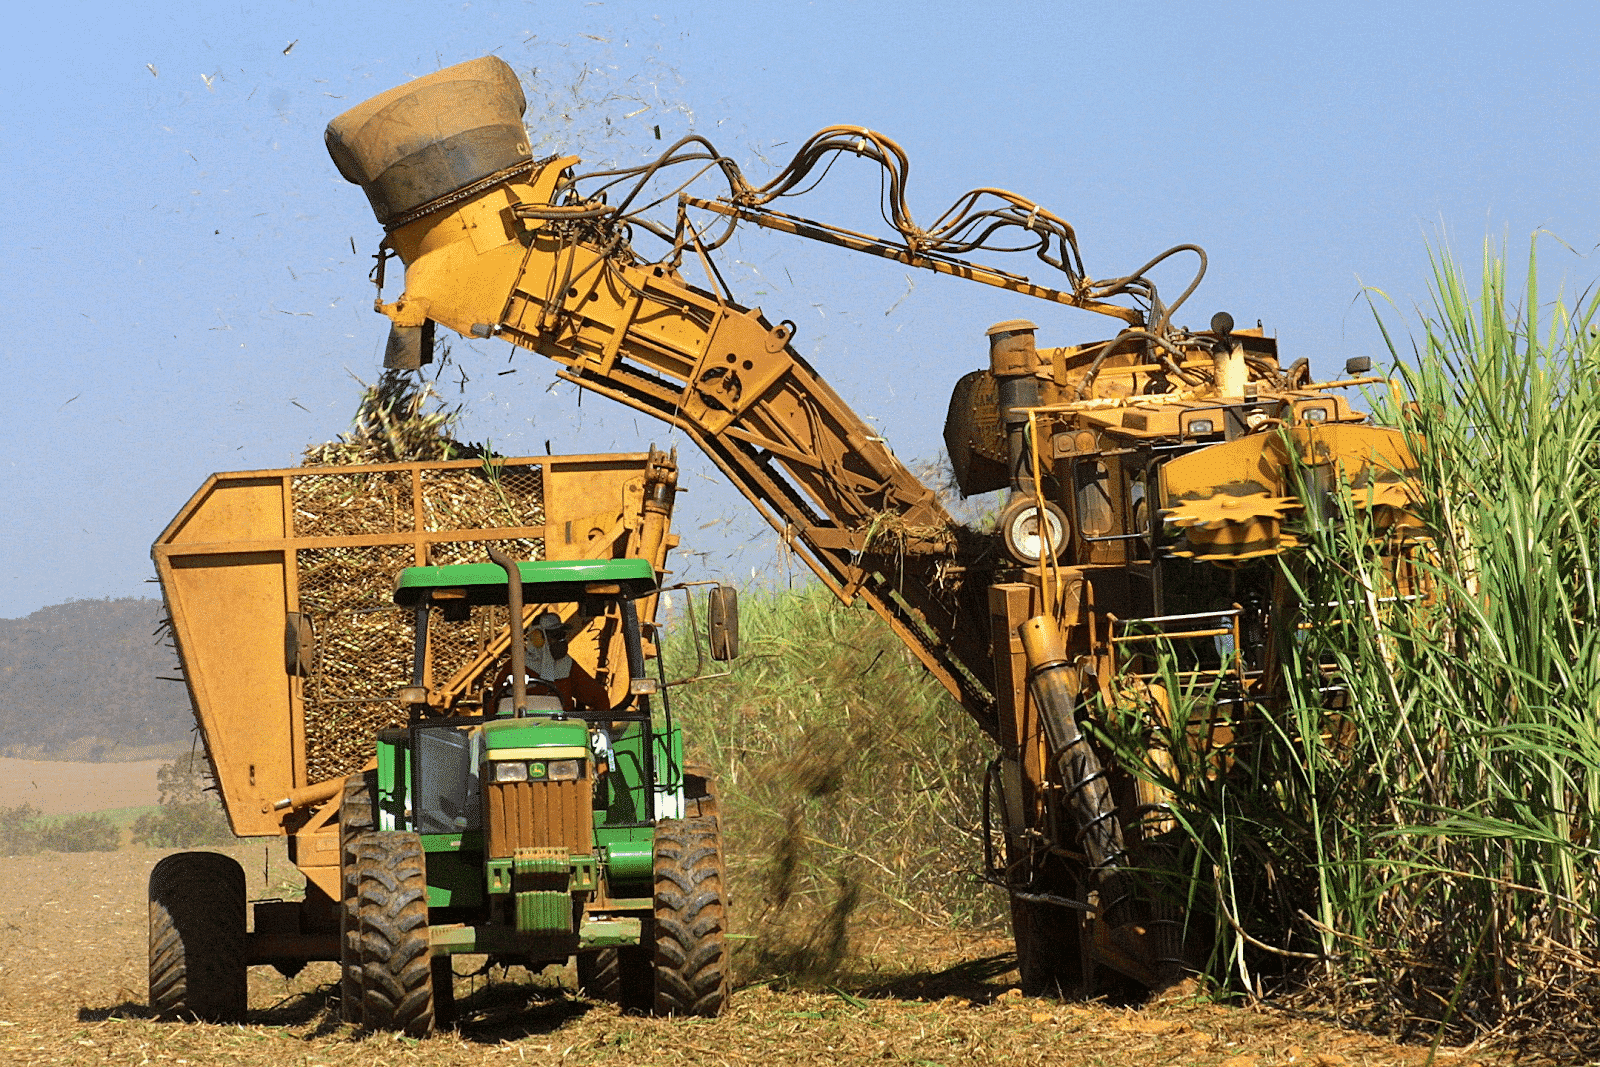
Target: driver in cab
551 669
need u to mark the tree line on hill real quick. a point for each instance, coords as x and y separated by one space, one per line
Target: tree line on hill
84 680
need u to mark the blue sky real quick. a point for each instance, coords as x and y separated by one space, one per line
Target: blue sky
184 297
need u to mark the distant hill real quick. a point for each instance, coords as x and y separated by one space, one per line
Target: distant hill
80 681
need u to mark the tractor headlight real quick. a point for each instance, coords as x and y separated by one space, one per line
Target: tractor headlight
562 770
511 771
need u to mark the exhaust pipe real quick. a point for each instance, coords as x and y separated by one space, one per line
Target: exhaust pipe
519 650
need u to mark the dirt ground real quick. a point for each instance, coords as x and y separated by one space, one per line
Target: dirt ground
69 788
72 991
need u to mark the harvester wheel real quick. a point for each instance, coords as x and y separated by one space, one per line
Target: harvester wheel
356 817
622 976
691 960
1049 956
197 938
392 931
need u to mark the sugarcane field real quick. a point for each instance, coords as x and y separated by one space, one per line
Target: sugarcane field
556 546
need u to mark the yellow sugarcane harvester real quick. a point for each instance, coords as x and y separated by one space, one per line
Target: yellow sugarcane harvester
1152 478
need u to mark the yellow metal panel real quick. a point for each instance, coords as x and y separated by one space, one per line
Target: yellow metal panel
235 509
465 287
1356 448
228 613
585 500
1246 466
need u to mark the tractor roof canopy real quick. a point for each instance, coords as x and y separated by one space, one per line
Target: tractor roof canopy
550 581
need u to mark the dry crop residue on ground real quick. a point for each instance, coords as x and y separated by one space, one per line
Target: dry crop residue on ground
69 788
72 991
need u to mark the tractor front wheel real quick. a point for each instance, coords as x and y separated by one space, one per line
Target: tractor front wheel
356 818
391 915
197 938
623 976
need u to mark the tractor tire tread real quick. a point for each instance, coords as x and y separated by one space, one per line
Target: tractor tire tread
691 962
392 932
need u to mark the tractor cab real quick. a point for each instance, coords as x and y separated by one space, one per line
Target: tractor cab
574 643
581 651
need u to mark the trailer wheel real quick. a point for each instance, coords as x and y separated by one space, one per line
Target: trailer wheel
197 938
356 817
392 931
691 960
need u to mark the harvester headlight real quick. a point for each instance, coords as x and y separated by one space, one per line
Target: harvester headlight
511 771
562 770
1026 535
1199 426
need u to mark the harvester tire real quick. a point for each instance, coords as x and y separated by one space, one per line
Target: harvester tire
356 817
691 959
392 930
622 976
1049 956
198 945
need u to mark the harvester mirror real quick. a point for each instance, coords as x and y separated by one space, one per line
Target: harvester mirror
299 645
722 612
1357 365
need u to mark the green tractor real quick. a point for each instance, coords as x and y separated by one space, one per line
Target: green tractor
556 820
545 828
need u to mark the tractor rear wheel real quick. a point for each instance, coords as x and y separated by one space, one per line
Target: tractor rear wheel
356 817
691 959
392 931
197 938
623 976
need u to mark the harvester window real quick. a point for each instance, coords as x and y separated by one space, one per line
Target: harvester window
1095 514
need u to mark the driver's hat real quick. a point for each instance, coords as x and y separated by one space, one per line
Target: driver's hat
548 629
